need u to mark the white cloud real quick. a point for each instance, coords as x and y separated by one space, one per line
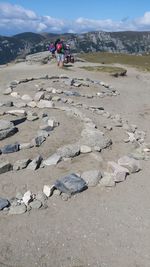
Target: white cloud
15 18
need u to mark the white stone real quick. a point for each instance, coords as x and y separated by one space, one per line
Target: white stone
85 149
17 112
48 190
27 198
107 180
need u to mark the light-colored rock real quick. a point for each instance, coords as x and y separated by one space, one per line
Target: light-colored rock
32 104
20 209
39 96
131 164
69 151
119 172
92 177
45 104
27 197
21 164
8 91
107 180
35 163
48 190
17 112
52 160
36 204
85 149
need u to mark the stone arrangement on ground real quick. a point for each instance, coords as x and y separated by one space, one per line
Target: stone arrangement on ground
64 119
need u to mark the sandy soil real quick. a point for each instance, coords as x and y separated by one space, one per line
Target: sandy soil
100 227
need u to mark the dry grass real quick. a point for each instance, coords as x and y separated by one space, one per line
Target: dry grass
115 71
138 61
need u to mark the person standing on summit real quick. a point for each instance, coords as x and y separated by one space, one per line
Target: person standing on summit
60 52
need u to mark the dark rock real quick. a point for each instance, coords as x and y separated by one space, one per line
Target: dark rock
70 184
10 148
3 203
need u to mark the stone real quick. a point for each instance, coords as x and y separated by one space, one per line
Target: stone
39 96
48 190
119 172
4 125
32 104
64 197
52 160
70 184
93 137
35 163
91 177
21 164
107 180
20 104
45 104
26 98
36 204
20 209
17 112
41 197
52 123
8 91
27 197
15 94
69 151
3 203
131 164
5 166
37 141
8 132
25 146
85 149
10 148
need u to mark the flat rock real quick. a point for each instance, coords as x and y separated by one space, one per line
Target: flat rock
69 151
52 160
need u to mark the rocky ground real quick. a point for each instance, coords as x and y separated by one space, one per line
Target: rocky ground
92 129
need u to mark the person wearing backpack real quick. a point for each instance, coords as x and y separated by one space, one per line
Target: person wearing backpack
60 52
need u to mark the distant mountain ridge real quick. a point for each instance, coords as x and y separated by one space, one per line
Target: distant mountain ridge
20 45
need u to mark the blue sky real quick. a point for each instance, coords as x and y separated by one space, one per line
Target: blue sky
73 15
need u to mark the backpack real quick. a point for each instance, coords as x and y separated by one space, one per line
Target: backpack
59 47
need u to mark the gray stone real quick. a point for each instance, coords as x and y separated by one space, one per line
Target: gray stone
36 204
35 163
3 203
52 160
131 164
20 209
69 151
70 184
92 177
4 125
39 96
93 137
107 180
37 141
5 167
21 164
41 197
10 148
119 172
45 104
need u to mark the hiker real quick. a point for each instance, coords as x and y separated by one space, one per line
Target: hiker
60 52
52 49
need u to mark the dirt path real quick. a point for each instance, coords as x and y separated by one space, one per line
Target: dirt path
98 228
